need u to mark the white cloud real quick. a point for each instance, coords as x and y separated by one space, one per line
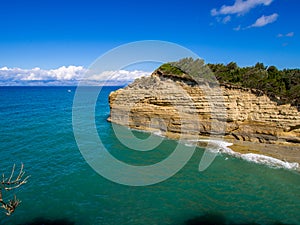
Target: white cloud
214 12
70 75
264 20
239 7
237 28
290 34
120 77
36 74
226 19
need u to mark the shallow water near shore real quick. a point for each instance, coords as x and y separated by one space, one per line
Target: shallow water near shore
36 129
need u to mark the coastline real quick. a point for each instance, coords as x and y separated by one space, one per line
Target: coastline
283 152
257 128
272 155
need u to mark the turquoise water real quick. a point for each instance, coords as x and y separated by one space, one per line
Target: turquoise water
36 129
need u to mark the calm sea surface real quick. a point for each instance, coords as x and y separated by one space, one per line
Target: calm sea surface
36 129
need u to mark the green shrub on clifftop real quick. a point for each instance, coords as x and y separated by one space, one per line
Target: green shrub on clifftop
283 86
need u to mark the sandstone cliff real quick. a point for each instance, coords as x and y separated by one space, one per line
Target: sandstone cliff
176 106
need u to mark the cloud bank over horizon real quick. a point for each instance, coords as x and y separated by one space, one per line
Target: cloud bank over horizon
66 76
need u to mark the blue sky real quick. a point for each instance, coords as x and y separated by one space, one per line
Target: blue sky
51 34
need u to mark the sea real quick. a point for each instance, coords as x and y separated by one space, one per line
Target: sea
36 130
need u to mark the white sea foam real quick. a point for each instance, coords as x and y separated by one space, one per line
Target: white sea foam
188 144
270 161
215 145
158 133
223 147
220 146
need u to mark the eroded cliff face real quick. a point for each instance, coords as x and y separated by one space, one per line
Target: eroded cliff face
179 107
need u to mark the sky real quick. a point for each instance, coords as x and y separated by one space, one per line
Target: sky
58 40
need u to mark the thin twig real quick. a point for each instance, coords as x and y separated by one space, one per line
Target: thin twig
10 184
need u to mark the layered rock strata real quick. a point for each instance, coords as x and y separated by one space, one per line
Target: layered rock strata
175 107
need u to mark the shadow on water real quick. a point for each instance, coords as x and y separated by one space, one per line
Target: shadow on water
219 219
43 221
206 219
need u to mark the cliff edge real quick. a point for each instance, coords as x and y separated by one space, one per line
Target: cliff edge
175 105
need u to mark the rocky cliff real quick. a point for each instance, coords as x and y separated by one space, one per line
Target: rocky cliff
176 106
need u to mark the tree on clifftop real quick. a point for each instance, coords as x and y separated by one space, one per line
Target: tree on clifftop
282 86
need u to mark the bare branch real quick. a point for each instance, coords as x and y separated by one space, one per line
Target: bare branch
12 172
10 184
21 172
11 205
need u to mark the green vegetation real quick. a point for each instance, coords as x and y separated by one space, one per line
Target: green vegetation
188 69
282 86
167 68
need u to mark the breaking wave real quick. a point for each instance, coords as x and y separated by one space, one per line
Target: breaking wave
223 147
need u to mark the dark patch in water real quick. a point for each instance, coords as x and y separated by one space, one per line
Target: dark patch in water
207 219
219 219
43 221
